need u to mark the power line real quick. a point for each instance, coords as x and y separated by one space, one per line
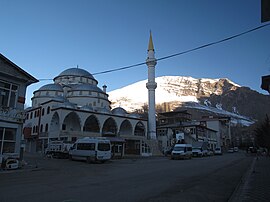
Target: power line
180 53
187 51
214 43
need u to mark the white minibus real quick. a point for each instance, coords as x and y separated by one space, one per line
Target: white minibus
181 151
91 149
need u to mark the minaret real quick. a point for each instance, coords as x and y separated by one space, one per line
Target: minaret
151 85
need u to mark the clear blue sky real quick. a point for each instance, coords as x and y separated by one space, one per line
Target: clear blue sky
46 37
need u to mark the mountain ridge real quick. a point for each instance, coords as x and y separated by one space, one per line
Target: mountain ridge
220 93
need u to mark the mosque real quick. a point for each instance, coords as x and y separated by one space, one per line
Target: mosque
73 106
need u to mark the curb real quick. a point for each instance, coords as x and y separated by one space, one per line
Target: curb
238 193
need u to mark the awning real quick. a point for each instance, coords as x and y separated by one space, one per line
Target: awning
116 139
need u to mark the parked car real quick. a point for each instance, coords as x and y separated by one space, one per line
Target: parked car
252 150
11 164
230 150
218 151
235 149
197 152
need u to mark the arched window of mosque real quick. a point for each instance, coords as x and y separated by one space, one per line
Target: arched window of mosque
63 126
34 128
98 101
31 115
42 112
46 127
90 104
48 110
41 128
27 116
94 103
47 92
102 104
38 111
35 114
56 93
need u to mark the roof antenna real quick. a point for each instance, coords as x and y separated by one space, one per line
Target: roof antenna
77 66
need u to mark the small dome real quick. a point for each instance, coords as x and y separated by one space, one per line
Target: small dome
119 111
134 116
51 87
86 87
67 105
76 72
102 110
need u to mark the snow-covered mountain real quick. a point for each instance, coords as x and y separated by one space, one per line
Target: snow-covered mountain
169 89
220 96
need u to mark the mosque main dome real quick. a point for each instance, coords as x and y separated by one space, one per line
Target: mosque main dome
75 75
76 72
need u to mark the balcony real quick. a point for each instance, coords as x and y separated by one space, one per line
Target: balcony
11 114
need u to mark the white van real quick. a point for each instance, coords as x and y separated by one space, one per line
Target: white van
91 149
181 151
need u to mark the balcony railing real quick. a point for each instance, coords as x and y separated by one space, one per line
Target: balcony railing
12 114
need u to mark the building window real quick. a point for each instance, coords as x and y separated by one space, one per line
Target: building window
42 111
48 110
41 128
64 127
8 94
46 127
7 140
94 103
31 115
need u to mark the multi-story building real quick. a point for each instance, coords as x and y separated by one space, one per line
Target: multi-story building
223 127
171 124
13 84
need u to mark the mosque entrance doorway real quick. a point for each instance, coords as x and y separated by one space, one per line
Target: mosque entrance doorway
133 147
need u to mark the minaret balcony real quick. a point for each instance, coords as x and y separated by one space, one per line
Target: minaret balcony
151 62
151 85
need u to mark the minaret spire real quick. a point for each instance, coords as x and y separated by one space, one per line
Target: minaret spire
150 44
151 85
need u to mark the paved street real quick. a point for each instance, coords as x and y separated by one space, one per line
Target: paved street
144 179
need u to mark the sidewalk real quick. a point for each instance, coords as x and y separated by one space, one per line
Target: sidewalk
255 185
